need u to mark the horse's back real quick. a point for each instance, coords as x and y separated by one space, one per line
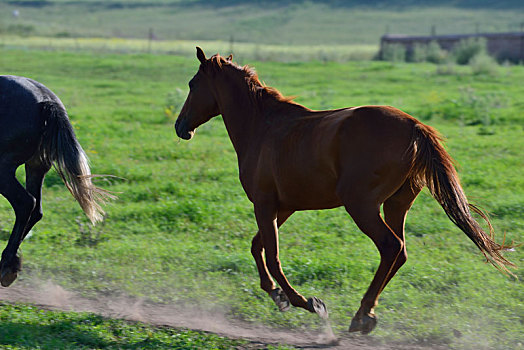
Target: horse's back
359 134
16 90
21 122
373 132
332 149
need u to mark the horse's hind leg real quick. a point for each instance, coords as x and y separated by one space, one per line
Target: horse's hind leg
396 208
266 283
366 215
23 204
35 172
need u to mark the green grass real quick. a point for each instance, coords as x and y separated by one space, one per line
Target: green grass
282 23
244 51
29 327
181 229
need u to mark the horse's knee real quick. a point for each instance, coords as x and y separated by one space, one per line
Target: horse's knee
25 205
401 258
37 215
391 247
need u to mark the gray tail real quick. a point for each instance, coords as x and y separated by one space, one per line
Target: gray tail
60 148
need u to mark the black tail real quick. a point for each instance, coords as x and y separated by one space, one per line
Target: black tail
60 148
434 167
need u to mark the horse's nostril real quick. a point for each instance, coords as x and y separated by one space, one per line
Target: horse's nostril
182 130
179 126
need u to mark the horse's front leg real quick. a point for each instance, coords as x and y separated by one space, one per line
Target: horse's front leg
266 216
266 283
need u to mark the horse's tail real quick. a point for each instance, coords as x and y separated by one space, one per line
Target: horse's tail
59 147
434 168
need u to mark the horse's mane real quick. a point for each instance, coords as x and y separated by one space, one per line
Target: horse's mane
260 88
259 91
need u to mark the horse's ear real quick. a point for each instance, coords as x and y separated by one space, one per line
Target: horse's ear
201 55
230 58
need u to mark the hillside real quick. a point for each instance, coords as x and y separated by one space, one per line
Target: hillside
285 23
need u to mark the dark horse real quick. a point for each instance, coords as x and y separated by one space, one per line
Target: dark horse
292 158
36 132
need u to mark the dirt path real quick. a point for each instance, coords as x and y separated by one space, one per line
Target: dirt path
54 297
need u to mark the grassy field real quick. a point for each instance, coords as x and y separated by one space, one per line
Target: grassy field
181 229
245 51
29 327
281 23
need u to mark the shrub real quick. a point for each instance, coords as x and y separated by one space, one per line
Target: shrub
483 64
393 53
434 53
64 34
20 29
419 53
468 48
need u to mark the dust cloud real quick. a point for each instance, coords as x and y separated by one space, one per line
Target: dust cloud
49 295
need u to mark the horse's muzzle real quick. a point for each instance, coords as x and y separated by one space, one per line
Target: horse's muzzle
182 130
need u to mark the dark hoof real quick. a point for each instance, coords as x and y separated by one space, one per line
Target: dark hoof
9 271
280 298
363 324
8 278
317 306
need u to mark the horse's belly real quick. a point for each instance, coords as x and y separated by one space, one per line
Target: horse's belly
308 191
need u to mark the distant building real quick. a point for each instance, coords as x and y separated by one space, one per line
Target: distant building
502 46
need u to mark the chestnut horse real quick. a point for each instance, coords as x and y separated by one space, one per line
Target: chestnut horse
36 132
292 158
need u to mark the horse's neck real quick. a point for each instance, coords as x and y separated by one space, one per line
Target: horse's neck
240 117
245 121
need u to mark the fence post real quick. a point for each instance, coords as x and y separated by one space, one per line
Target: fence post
521 58
150 40
231 44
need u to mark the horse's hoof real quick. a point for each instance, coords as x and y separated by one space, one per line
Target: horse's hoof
280 298
9 270
363 324
7 278
317 306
